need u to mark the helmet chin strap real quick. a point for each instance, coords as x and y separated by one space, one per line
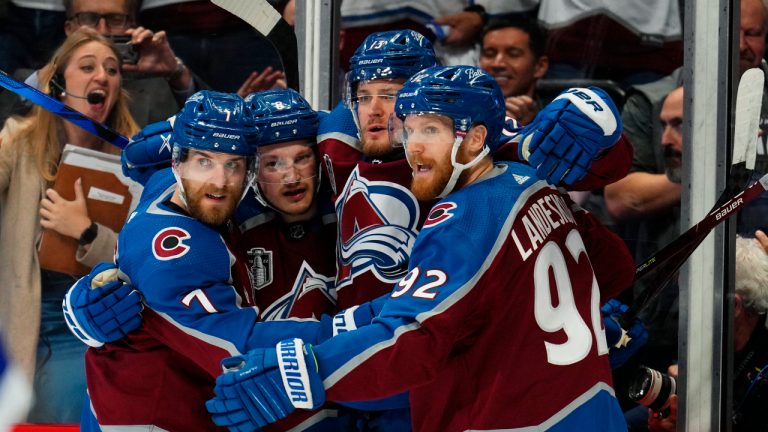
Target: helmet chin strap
459 168
182 192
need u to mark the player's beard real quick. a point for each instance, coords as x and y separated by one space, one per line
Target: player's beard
206 212
428 187
378 148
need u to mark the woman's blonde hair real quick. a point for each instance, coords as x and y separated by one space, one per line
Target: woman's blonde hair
46 131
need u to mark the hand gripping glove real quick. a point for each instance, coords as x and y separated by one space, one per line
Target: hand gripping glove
569 133
149 151
265 385
99 308
622 344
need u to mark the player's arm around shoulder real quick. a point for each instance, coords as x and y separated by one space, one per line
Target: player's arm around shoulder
181 266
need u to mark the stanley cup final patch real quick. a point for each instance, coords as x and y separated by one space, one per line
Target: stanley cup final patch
260 263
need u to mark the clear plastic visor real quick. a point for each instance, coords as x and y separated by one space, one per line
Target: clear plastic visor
221 170
368 92
286 164
427 128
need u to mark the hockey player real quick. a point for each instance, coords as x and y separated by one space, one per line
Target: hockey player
378 217
500 304
199 305
287 227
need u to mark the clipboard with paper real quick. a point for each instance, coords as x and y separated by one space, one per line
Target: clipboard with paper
109 196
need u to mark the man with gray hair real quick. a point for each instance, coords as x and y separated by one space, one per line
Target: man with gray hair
750 337
750 343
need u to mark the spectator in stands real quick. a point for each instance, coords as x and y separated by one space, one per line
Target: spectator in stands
29 32
452 25
512 51
645 192
752 36
627 42
200 31
87 63
158 82
750 385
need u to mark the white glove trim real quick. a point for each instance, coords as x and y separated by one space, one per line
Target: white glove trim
74 325
593 108
344 321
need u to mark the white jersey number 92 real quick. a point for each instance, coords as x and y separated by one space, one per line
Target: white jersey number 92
565 316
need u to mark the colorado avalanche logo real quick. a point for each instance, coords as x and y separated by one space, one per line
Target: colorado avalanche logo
308 280
376 230
439 213
169 244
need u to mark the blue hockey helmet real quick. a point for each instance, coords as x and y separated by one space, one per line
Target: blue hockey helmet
216 122
465 94
391 54
282 116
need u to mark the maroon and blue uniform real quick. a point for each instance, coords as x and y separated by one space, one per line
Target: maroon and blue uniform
498 312
292 265
196 314
379 218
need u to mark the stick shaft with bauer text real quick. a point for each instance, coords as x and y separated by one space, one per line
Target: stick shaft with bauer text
682 247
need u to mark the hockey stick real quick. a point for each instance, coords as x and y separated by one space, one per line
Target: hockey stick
748 104
61 110
267 21
665 263
688 241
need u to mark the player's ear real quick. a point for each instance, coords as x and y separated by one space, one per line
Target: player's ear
475 140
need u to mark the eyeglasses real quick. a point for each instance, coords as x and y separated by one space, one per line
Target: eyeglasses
91 19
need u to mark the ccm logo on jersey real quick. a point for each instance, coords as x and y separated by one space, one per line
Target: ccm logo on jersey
169 244
440 213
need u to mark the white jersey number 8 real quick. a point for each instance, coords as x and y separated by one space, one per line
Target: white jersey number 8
565 316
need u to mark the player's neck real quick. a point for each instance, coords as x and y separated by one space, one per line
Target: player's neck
302 217
474 173
178 200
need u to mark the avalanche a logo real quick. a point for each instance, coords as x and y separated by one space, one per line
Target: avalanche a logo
308 280
376 230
